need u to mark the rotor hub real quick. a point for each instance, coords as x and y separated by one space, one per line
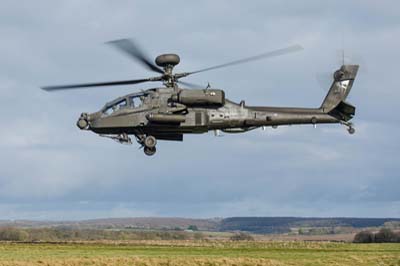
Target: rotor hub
165 60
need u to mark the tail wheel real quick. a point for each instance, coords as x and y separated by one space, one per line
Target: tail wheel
149 151
351 130
150 142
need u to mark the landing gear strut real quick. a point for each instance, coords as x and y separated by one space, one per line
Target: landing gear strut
149 144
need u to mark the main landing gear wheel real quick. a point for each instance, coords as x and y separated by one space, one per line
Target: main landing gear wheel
149 151
351 130
150 142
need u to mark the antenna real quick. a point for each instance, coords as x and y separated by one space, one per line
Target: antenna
342 56
342 48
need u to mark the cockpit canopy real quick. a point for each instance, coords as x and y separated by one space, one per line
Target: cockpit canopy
134 100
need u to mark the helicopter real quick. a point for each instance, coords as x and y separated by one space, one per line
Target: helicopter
169 112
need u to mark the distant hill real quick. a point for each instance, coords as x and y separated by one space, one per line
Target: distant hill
260 225
268 225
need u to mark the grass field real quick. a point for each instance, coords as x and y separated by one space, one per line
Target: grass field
198 253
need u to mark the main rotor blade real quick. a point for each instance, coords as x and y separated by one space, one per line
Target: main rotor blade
100 84
287 50
190 85
130 48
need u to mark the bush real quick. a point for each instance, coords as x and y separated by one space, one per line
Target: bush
193 227
13 234
242 237
364 237
384 235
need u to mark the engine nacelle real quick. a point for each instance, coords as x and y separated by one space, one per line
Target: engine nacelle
204 97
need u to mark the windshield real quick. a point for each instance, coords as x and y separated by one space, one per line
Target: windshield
115 107
131 101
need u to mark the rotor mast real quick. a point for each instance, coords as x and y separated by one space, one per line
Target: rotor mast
168 62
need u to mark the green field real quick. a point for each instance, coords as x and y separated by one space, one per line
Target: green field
199 253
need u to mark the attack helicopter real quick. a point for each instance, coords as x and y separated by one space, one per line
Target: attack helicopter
170 111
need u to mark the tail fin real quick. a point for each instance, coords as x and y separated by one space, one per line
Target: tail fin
334 102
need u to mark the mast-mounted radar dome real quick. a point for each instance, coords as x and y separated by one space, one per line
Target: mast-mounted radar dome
167 59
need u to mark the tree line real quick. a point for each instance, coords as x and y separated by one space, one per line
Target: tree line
68 234
279 225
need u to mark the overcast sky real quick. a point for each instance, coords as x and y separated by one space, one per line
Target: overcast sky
52 170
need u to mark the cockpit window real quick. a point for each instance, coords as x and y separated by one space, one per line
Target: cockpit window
136 101
116 106
130 101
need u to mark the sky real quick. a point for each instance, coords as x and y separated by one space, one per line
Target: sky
50 170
